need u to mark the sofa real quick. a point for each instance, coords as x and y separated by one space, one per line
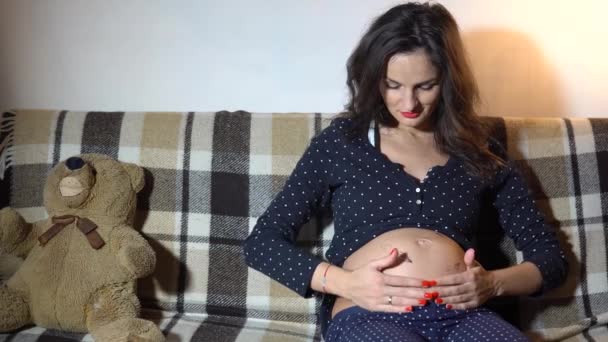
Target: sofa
210 175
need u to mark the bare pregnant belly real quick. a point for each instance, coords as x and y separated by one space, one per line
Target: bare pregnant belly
424 254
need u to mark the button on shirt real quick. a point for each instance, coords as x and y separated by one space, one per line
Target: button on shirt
370 195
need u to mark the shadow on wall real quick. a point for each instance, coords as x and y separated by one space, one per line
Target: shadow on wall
514 77
5 91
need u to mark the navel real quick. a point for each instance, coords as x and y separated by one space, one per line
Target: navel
426 243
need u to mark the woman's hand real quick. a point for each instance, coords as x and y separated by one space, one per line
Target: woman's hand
469 289
370 289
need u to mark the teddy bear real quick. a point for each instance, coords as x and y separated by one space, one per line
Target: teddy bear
81 264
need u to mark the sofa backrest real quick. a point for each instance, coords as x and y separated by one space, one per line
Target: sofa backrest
210 175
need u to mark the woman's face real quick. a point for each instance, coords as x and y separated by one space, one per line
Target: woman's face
411 89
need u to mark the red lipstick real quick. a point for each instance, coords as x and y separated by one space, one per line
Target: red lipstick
410 115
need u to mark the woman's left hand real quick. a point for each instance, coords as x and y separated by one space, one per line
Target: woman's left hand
468 289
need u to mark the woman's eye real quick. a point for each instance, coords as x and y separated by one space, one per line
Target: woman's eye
392 86
428 86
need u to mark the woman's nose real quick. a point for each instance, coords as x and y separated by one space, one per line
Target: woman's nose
410 101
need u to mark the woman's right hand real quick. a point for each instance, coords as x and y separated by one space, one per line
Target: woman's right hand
373 290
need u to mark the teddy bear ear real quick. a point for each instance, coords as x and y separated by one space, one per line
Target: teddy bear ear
136 173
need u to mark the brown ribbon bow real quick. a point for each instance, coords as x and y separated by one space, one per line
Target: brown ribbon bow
86 226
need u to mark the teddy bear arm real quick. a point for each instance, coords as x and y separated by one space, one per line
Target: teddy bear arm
17 237
134 252
24 248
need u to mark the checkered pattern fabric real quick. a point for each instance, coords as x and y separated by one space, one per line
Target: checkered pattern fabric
210 175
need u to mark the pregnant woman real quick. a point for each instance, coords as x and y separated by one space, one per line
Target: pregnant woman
405 171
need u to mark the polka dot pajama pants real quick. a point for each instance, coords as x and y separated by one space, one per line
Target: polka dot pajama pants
430 323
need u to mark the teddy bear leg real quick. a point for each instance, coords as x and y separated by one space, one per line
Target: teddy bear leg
112 316
128 329
14 311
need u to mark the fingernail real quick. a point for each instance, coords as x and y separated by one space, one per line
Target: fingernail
435 294
448 306
393 251
433 283
428 295
422 301
409 308
438 300
425 283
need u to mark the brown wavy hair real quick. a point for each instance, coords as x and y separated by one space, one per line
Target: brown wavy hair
404 28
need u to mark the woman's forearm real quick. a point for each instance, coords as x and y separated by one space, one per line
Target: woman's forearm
518 280
335 279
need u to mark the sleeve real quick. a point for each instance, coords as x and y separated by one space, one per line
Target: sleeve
270 248
525 224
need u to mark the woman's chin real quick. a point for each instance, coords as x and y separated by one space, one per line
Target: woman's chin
418 122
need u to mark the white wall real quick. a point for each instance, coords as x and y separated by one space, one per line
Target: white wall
541 57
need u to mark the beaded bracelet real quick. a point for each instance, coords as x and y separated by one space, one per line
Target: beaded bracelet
324 279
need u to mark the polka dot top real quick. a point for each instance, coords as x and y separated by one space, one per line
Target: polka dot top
370 195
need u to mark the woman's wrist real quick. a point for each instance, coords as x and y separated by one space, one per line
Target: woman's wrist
331 279
497 284
522 279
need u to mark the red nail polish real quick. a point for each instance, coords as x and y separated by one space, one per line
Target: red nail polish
448 306
428 295
422 301
433 283
425 283
438 300
435 294
409 308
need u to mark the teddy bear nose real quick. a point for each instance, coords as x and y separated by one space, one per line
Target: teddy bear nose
74 163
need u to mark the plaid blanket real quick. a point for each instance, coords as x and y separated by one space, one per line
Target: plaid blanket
210 175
